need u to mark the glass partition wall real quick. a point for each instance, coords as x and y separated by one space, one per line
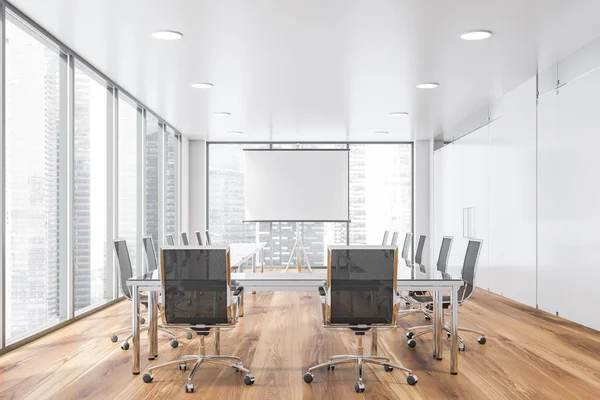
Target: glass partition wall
380 195
75 148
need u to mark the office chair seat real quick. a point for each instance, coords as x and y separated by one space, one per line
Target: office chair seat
429 299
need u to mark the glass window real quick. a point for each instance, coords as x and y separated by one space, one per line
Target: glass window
92 276
151 182
171 167
36 284
380 191
127 167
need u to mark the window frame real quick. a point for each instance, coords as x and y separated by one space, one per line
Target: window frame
66 143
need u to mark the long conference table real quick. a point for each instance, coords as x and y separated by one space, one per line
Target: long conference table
409 279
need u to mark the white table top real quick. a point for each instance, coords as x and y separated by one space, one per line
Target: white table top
241 252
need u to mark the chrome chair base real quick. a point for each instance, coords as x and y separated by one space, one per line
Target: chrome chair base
360 360
125 344
224 361
411 335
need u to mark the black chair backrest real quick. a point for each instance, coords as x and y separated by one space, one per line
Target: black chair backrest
150 253
406 246
199 238
184 239
195 285
442 263
420 247
208 240
124 262
394 241
469 269
386 234
170 239
362 284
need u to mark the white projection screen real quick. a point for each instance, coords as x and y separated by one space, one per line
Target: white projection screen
296 185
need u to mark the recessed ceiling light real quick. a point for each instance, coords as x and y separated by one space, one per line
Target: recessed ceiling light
235 133
167 35
202 85
382 133
476 35
399 114
428 85
222 114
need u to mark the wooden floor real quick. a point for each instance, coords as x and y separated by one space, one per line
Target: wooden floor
529 355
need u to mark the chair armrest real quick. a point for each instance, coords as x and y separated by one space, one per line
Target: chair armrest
238 290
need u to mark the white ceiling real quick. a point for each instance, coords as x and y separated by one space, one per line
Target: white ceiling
322 70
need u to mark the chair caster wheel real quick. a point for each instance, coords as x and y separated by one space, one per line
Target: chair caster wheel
125 346
461 347
330 367
249 380
427 319
412 343
148 378
410 335
174 343
359 387
448 334
114 338
481 339
189 387
182 366
412 380
388 368
308 377
189 335
142 321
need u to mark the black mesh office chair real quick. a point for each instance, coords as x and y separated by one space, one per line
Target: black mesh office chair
420 248
199 238
360 296
208 239
184 239
442 264
152 263
201 275
469 272
126 272
394 241
386 234
405 248
170 239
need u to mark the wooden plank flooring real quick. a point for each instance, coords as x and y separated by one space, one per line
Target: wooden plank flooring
529 355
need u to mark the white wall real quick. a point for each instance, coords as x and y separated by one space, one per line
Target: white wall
462 182
492 171
512 194
543 196
569 200
422 209
185 184
197 191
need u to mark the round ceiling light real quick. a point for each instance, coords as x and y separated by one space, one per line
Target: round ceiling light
167 35
476 35
428 85
222 114
202 85
399 114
